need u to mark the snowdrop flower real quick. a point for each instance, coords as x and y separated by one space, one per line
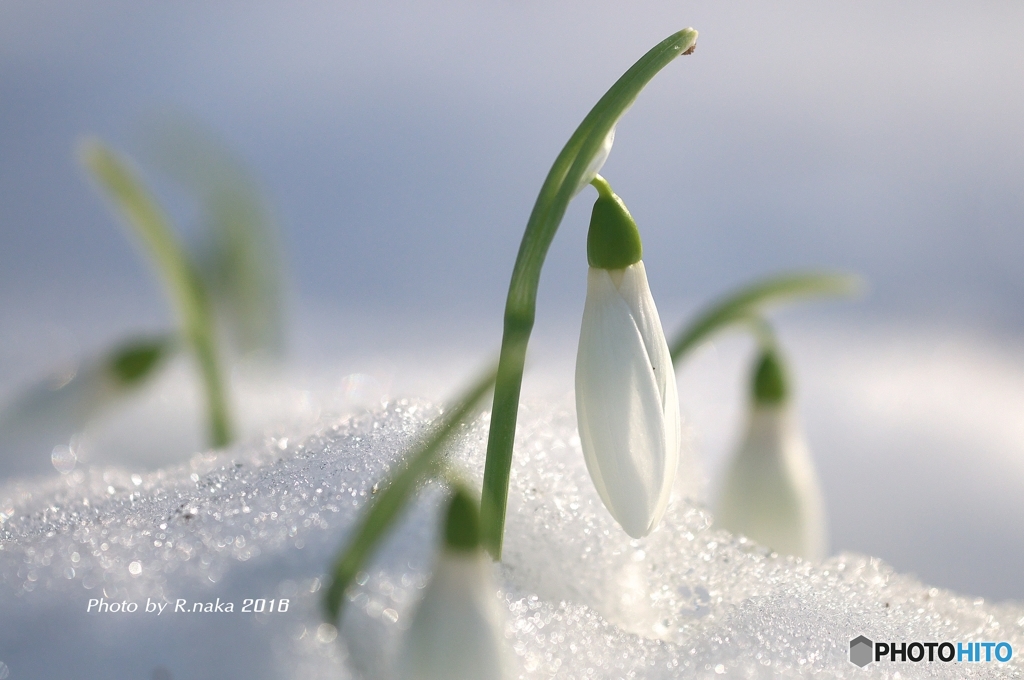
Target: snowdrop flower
771 491
456 631
626 401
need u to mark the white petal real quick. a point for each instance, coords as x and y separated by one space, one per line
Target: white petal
597 162
771 491
455 633
636 292
619 409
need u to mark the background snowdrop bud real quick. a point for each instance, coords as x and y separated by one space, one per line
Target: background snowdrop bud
456 632
771 492
627 406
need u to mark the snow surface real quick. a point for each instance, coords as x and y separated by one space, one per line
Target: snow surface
263 520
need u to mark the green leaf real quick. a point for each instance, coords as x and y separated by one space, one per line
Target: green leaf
558 189
188 295
740 306
134 361
420 463
240 255
63 404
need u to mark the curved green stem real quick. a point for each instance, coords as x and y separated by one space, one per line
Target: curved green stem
744 304
188 295
604 189
558 189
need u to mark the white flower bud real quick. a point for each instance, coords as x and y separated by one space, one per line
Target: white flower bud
626 401
455 633
771 492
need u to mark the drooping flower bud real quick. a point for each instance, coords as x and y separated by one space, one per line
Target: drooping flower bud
456 631
627 406
771 492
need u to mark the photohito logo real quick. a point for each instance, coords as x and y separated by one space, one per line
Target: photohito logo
863 651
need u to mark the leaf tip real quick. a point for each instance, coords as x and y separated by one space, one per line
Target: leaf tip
688 40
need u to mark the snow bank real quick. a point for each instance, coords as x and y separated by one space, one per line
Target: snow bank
262 521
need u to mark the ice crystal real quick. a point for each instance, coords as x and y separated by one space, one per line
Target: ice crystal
582 600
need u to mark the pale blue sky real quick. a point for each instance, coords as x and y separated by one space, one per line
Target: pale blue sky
402 145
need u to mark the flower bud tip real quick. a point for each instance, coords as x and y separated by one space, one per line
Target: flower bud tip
462 523
770 385
613 241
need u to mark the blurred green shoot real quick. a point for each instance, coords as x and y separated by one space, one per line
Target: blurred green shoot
563 182
63 404
239 254
745 305
237 273
422 462
188 295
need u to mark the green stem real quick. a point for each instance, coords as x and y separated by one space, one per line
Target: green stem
219 417
184 286
740 306
520 307
604 189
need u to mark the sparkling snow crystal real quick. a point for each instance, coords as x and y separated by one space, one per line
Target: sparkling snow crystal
263 520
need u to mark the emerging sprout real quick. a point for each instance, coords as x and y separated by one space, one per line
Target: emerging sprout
236 277
119 182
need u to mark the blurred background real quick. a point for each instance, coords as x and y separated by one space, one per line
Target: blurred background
402 144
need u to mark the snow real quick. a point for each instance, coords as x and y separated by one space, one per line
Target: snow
582 599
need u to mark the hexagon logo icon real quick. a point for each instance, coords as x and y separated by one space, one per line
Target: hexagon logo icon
861 651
